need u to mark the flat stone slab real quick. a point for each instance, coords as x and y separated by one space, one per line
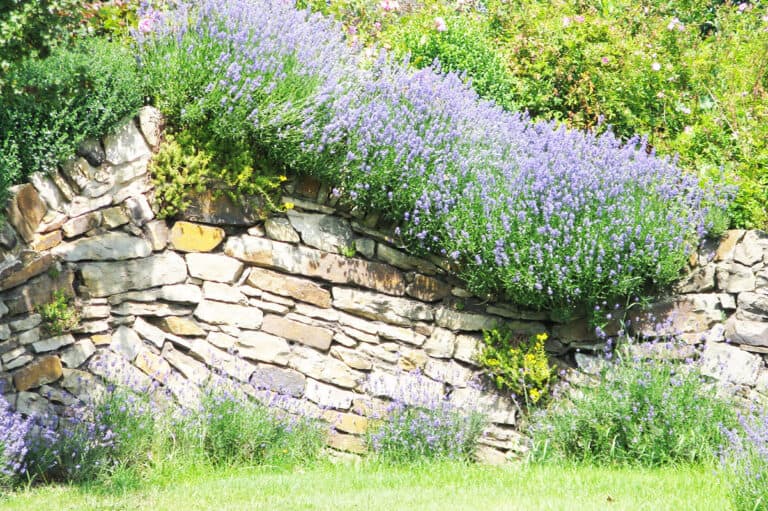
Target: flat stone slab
316 264
112 246
192 237
108 278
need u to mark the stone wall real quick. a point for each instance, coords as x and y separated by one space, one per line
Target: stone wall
318 305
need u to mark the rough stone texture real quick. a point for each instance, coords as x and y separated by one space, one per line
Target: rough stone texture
751 333
404 261
25 210
468 321
347 443
125 342
346 422
324 368
285 285
729 363
157 234
467 349
191 237
77 355
441 343
352 358
44 370
689 313
109 278
37 290
218 209
53 343
317 337
216 267
151 125
328 396
282 381
324 232
112 246
182 326
399 311
427 289
280 229
263 347
217 313
153 366
315 263
126 144
33 268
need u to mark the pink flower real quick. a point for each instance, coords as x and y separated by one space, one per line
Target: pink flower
146 25
389 5
566 21
656 66
440 25
578 19
605 60
377 25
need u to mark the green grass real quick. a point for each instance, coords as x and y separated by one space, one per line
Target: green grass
425 487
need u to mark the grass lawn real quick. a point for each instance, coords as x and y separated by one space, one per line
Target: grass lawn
429 487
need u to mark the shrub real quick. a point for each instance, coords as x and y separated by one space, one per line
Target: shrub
51 105
520 366
59 315
647 412
428 431
745 460
571 217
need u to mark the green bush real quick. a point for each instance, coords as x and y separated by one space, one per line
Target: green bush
646 412
59 315
51 105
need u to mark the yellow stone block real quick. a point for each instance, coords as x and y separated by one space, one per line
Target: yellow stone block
191 237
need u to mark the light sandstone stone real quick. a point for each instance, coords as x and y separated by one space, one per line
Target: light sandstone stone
398 311
324 232
283 381
300 289
280 229
125 144
467 321
109 278
53 343
731 364
300 260
410 388
216 267
156 232
25 210
126 342
44 370
346 422
324 368
328 396
263 347
182 326
219 313
223 293
317 337
441 344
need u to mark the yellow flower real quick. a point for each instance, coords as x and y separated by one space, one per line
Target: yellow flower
289 205
282 178
542 337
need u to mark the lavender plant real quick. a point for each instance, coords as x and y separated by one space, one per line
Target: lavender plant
745 460
14 430
641 411
542 215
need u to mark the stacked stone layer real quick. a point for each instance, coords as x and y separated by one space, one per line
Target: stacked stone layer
318 305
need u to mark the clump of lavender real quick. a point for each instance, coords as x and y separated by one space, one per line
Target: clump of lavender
14 432
432 432
644 409
419 426
746 462
542 215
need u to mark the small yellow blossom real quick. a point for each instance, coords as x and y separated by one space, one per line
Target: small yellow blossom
542 337
282 178
289 205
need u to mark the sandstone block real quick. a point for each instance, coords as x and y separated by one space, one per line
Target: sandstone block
109 278
731 364
300 289
44 370
53 343
280 229
314 336
399 311
76 355
216 267
182 326
126 144
316 264
25 210
263 347
191 237
218 313
324 232
282 381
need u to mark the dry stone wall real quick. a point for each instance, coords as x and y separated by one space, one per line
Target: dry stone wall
318 305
